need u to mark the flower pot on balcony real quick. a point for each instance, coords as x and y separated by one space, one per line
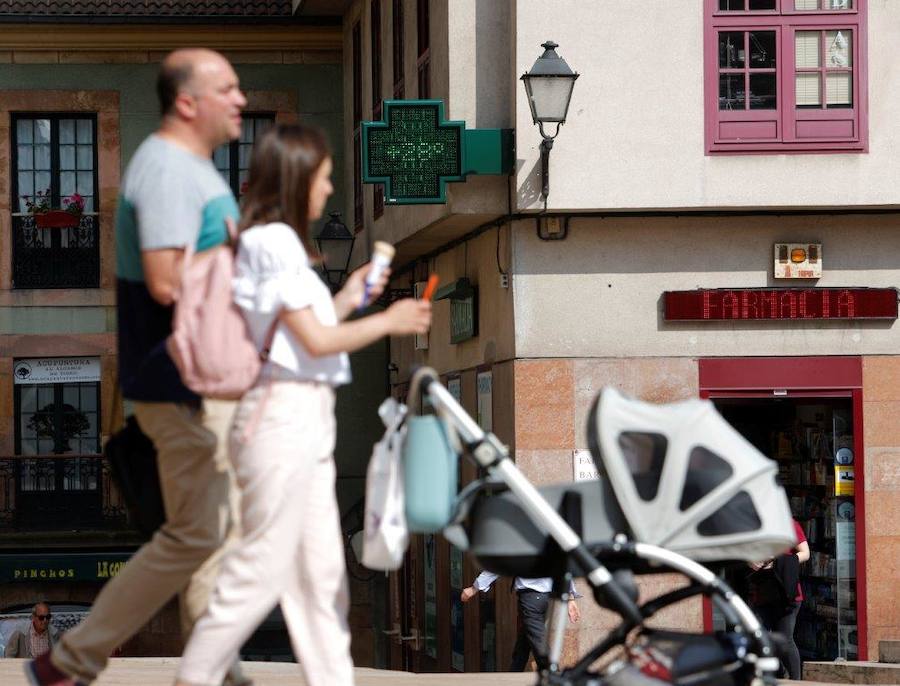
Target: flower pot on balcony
56 219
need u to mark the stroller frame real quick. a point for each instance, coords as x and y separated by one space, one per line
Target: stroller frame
489 453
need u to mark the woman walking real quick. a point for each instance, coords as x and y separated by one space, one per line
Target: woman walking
283 434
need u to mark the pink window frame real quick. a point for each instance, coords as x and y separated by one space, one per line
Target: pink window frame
840 130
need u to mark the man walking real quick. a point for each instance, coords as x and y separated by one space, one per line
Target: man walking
171 196
533 596
37 639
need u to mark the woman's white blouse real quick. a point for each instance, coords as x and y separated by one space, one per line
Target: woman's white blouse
272 273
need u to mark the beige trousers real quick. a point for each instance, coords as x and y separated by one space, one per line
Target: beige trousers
183 556
291 551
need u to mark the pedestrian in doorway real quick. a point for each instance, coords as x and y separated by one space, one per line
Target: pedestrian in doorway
37 639
533 600
291 551
776 596
171 196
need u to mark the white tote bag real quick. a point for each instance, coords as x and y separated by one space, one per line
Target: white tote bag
385 533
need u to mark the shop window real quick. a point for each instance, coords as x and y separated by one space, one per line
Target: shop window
233 159
55 224
707 470
785 75
644 454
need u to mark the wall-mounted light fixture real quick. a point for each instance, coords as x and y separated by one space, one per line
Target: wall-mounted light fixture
335 243
549 87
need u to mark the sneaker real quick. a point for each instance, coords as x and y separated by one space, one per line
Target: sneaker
41 672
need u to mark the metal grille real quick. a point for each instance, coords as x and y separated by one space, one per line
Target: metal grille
56 258
48 493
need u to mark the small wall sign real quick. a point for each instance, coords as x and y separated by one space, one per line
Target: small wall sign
798 261
47 370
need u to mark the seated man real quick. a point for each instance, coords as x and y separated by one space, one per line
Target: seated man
37 639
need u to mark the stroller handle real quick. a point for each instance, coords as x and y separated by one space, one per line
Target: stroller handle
491 454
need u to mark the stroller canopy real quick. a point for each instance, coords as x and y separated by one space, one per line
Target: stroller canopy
687 481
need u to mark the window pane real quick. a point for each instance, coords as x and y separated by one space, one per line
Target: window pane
86 183
89 397
67 157
809 88
45 395
42 181
246 130
762 5
762 92
762 49
85 131
731 50
67 183
25 155
67 131
731 92
28 398
838 48
806 49
42 157
23 130
838 89
802 5
26 187
85 157
838 4
42 131
731 5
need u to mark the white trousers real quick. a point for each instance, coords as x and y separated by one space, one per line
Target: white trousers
291 550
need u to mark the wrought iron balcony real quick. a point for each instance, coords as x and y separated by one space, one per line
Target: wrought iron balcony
66 257
59 493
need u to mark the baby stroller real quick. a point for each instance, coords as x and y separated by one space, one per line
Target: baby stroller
680 490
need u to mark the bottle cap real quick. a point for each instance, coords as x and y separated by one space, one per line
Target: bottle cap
383 248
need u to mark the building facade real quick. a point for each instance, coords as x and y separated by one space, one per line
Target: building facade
700 136
77 96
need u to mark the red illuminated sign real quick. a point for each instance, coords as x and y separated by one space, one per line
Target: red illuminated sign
752 304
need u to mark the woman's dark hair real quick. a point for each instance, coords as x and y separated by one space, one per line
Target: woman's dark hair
282 166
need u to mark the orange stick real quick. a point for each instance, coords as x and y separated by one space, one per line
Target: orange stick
430 287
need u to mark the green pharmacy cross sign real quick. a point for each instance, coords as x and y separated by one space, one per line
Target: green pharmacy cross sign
415 153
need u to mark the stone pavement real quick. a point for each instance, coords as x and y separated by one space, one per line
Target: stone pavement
160 671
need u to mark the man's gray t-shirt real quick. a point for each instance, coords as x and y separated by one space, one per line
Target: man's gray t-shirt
169 198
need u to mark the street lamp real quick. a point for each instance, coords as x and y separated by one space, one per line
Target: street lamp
335 243
549 87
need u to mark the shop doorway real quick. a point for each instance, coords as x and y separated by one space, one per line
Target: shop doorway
812 440
806 414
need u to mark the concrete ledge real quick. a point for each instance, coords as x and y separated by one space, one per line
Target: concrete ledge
852 672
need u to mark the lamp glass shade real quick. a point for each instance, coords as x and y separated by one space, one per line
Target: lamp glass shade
335 242
549 96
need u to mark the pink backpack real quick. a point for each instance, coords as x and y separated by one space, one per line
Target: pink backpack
210 343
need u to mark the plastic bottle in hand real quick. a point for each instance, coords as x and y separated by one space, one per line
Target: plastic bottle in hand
382 254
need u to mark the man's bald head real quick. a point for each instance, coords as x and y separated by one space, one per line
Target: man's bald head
176 73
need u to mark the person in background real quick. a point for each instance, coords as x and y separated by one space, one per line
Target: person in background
776 596
533 600
171 196
282 441
37 640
